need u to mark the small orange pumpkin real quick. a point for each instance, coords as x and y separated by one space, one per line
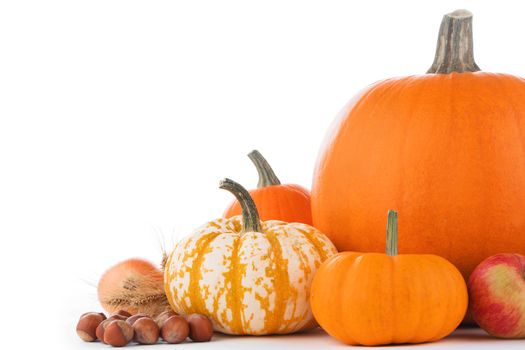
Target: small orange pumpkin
374 299
289 203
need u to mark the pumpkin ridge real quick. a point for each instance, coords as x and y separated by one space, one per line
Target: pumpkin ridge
201 247
400 85
455 276
348 270
406 134
300 212
294 321
281 285
446 275
429 266
416 331
514 112
443 276
300 190
234 302
186 308
406 263
319 247
393 292
309 264
278 203
289 204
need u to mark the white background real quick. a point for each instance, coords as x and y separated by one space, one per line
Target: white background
118 118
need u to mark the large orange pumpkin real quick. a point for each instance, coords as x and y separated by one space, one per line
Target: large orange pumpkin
446 149
375 299
275 201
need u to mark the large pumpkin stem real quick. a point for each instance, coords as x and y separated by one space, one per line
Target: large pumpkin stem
391 233
250 215
455 48
266 175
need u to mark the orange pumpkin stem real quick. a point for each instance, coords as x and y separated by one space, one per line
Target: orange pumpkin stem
250 215
455 48
391 233
266 175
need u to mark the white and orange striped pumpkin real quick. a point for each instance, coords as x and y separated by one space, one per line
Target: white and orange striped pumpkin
248 277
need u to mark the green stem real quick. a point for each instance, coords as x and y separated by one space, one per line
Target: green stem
266 175
250 215
391 233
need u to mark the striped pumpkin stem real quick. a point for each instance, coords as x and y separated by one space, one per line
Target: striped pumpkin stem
266 175
391 233
250 215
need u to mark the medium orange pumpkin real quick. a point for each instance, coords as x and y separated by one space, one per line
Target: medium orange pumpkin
375 299
289 203
445 148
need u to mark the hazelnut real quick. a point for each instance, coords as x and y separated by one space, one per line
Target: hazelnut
123 313
135 317
175 330
87 325
118 333
146 331
120 314
201 328
163 316
91 312
101 328
117 317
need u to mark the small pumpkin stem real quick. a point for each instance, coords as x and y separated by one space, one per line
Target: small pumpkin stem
266 175
250 215
391 233
455 48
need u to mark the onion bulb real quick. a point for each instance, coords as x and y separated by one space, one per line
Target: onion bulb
134 285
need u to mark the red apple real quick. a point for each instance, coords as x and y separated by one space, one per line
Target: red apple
497 295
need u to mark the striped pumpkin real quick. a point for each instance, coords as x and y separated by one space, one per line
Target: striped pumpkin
248 277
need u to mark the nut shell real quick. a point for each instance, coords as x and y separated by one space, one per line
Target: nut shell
175 330
117 317
131 320
201 328
146 331
92 312
118 333
163 316
87 326
101 329
120 315
123 313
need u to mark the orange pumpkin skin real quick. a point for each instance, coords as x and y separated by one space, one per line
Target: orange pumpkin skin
289 203
274 201
375 299
446 150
